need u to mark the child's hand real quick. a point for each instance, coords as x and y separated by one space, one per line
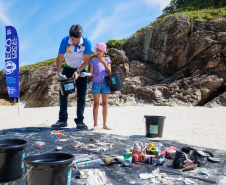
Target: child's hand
102 60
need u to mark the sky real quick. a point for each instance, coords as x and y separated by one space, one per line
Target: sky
42 24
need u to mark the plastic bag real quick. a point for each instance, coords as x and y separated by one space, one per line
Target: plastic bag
96 177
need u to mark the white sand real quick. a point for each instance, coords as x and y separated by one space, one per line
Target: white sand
200 126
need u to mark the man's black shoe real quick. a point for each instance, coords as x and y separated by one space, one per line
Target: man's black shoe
82 126
59 124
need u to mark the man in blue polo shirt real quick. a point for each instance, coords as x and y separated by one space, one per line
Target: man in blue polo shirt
76 49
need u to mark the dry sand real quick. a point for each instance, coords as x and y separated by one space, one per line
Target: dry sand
199 126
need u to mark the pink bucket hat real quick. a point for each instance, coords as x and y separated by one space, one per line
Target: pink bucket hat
101 46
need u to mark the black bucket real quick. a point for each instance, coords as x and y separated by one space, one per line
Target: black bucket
11 154
154 126
115 81
48 168
67 86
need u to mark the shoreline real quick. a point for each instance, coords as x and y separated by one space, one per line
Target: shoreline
198 126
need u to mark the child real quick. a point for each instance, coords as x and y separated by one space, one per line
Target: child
99 68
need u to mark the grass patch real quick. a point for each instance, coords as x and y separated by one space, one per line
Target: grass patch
208 14
39 64
115 43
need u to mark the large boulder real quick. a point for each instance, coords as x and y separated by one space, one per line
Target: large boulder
179 47
218 101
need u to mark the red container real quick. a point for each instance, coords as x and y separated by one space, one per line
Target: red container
137 150
166 150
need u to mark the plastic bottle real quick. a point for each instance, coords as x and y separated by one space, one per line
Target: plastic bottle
221 180
151 146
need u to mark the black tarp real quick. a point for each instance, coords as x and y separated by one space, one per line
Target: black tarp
116 173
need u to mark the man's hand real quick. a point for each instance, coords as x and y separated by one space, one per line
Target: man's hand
75 75
61 76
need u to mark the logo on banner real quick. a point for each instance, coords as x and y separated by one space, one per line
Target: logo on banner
9 67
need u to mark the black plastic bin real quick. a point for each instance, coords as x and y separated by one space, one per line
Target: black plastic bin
67 86
154 125
115 81
11 154
48 168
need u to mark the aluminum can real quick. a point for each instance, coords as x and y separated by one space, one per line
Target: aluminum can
137 150
128 161
171 154
145 158
124 151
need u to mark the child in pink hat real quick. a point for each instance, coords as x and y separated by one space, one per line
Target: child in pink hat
100 67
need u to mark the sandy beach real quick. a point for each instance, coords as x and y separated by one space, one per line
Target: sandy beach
199 126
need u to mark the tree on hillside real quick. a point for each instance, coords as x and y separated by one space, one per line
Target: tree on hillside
188 5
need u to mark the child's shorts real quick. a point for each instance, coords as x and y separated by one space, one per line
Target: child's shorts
100 88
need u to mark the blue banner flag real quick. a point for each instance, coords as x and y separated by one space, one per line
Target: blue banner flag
12 62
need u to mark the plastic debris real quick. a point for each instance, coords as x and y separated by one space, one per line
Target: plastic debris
62 140
133 182
146 176
81 174
39 143
96 177
204 172
58 148
149 175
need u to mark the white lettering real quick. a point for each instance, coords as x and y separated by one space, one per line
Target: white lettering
14 51
8 56
8 49
6 42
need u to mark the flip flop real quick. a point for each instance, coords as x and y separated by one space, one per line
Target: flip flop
200 157
214 160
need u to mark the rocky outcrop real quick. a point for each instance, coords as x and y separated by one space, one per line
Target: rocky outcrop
177 62
179 47
4 102
190 91
218 101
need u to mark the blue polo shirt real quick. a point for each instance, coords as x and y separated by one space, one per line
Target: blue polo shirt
74 55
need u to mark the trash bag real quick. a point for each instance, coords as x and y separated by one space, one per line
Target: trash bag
179 159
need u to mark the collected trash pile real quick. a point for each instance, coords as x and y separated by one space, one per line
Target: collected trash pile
152 153
156 154
96 158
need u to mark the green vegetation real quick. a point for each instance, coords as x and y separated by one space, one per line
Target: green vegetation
115 43
39 64
197 14
191 5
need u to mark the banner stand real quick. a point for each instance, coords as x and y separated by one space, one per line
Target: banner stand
18 106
